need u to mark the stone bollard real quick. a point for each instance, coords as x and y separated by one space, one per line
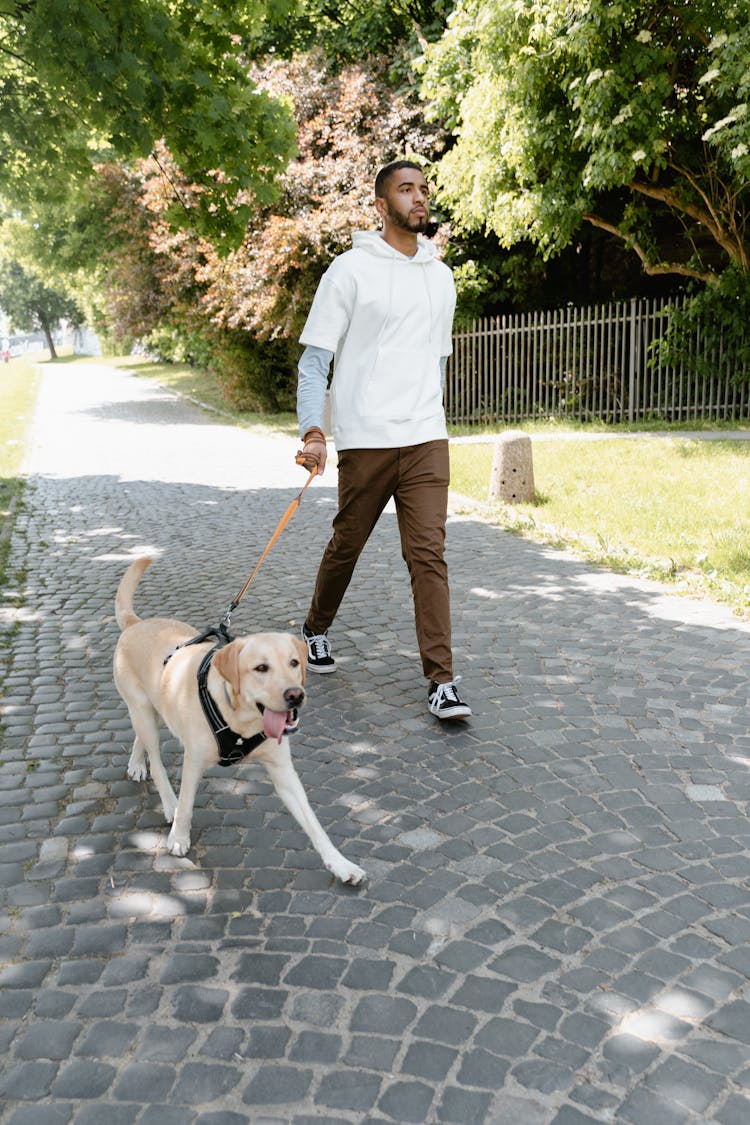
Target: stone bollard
512 477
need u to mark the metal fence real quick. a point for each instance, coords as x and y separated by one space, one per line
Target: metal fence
582 364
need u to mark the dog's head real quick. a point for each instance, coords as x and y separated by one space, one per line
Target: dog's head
266 671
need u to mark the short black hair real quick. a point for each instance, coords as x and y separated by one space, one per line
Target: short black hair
387 171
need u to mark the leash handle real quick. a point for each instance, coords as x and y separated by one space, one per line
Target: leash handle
307 460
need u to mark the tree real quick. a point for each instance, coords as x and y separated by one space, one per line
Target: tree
82 81
630 116
356 30
31 305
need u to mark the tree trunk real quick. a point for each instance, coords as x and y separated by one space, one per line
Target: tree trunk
48 333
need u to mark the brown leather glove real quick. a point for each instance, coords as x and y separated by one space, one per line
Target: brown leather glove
314 451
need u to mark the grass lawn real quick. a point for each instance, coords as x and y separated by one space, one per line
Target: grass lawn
674 509
18 388
549 426
19 383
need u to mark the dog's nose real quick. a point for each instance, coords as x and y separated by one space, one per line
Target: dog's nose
293 696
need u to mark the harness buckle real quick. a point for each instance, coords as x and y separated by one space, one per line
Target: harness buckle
226 620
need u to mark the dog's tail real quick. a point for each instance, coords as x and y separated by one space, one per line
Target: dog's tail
124 611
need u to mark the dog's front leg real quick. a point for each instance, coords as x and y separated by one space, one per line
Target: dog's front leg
193 767
291 791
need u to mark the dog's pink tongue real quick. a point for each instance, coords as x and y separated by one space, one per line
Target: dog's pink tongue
274 723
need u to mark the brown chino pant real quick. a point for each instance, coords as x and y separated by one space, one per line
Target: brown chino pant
417 478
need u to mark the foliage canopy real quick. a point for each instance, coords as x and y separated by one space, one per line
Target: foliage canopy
632 116
82 81
357 29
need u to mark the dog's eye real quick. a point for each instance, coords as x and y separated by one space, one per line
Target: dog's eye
261 667
294 663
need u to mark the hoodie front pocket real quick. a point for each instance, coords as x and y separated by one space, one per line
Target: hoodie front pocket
404 384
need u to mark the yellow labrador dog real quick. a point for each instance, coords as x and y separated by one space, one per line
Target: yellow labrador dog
223 704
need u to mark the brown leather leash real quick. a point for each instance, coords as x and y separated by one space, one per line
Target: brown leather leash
307 461
221 632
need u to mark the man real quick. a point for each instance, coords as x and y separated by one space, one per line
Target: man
384 312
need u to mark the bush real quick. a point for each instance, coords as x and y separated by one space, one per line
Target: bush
709 333
174 344
256 375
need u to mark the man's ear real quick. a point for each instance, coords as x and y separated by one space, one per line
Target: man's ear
227 664
381 207
302 651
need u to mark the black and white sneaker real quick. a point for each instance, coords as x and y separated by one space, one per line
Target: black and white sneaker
319 657
444 701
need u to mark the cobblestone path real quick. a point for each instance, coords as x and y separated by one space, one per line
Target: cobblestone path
555 927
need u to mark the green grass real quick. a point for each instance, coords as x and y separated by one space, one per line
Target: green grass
673 509
19 383
570 426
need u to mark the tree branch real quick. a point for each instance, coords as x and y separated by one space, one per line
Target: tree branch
652 269
12 54
183 203
730 209
21 9
706 217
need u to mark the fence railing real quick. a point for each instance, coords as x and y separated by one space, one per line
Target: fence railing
582 364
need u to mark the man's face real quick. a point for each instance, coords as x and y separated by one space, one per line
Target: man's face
406 203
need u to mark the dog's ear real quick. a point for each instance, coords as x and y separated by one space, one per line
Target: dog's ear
227 664
302 652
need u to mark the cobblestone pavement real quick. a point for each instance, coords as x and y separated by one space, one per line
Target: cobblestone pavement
556 923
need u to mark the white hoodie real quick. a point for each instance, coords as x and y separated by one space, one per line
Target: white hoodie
388 319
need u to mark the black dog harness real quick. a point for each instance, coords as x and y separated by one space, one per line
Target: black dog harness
232 746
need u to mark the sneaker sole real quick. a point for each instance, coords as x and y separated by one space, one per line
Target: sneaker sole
453 713
319 670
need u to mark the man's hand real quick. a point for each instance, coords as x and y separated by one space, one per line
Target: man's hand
314 451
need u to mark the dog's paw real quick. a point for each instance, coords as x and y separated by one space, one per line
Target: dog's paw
178 845
137 771
169 809
347 872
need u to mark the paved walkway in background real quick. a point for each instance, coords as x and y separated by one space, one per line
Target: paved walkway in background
557 920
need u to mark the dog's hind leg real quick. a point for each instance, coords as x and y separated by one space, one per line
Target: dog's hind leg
291 791
146 726
137 767
193 767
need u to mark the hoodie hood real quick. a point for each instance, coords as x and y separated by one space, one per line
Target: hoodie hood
373 242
